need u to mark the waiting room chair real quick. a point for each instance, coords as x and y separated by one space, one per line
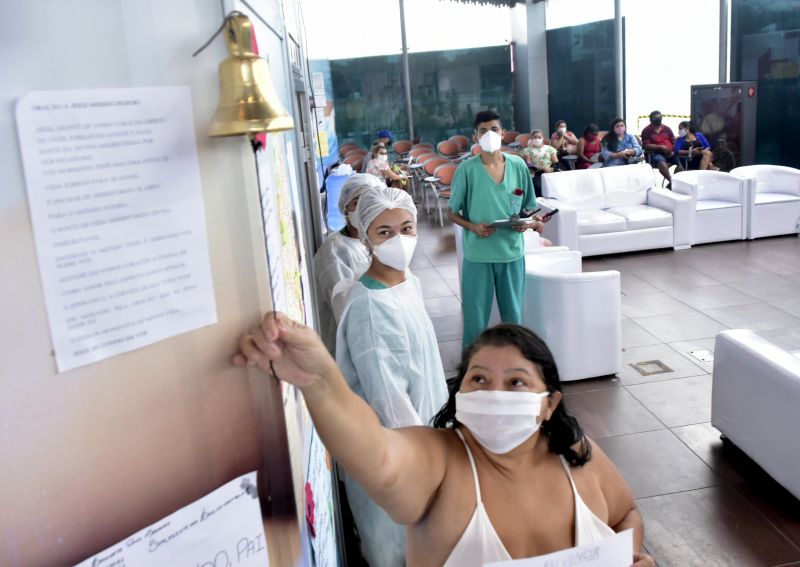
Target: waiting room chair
773 199
578 314
522 140
448 149
509 137
720 201
462 141
439 184
344 148
402 147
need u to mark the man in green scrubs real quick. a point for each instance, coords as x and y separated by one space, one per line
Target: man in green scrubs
489 187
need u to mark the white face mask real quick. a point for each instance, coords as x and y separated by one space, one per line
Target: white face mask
383 157
490 141
396 252
682 133
536 142
500 420
352 218
562 130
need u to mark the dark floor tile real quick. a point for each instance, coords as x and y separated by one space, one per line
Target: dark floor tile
756 317
769 288
775 503
731 464
682 401
647 304
656 462
590 385
680 367
684 348
443 306
711 527
681 326
632 285
436 288
450 351
730 271
448 328
711 296
609 412
633 335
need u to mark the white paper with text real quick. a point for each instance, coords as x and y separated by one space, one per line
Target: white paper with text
222 529
118 218
613 551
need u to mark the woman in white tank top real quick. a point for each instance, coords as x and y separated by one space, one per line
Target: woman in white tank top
506 474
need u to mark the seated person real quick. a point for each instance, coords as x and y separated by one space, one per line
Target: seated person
378 166
693 146
564 141
658 141
588 147
619 146
469 492
342 256
541 157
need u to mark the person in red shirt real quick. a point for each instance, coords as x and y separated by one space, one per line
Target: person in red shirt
588 147
658 141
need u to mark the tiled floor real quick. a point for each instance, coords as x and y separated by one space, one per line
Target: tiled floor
704 501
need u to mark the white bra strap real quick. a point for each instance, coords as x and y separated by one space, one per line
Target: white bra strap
565 464
474 469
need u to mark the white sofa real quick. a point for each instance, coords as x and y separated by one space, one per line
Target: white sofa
773 199
720 204
614 209
576 313
754 401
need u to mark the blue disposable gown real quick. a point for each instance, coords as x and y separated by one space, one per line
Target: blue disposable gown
339 259
386 348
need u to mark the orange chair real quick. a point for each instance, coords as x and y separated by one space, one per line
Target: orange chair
344 148
416 152
462 141
356 152
522 140
402 146
429 168
423 145
509 137
448 149
476 149
445 174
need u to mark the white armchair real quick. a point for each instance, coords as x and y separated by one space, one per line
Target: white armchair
576 313
773 199
720 203
754 401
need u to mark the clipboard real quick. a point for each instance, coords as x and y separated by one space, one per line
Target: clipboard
508 223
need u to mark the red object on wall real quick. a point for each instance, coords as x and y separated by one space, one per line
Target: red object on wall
751 92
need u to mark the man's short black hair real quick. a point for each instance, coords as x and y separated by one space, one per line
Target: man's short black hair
655 113
485 116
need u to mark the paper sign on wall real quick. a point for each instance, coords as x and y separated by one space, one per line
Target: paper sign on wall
118 218
222 529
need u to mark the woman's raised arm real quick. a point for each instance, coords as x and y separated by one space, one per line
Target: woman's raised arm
400 469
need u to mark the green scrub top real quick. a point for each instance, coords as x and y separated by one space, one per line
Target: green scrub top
479 199
371 283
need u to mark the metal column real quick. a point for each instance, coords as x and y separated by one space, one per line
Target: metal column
406 74
619 63
723 41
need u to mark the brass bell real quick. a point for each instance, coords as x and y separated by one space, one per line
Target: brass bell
248 102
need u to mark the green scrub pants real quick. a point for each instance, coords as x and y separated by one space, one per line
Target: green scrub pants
479 280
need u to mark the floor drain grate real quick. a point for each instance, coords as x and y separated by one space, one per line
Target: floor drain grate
650 367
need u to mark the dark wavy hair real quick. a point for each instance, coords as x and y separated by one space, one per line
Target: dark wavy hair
562 429
485 116
590 129
610 140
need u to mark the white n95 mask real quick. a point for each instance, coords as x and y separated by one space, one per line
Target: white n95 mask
500 420
396 252
352 218
490 141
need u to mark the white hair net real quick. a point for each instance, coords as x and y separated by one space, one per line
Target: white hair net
354 186
373 203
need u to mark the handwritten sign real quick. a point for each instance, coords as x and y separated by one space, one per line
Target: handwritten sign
613 551
222 529
118 218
